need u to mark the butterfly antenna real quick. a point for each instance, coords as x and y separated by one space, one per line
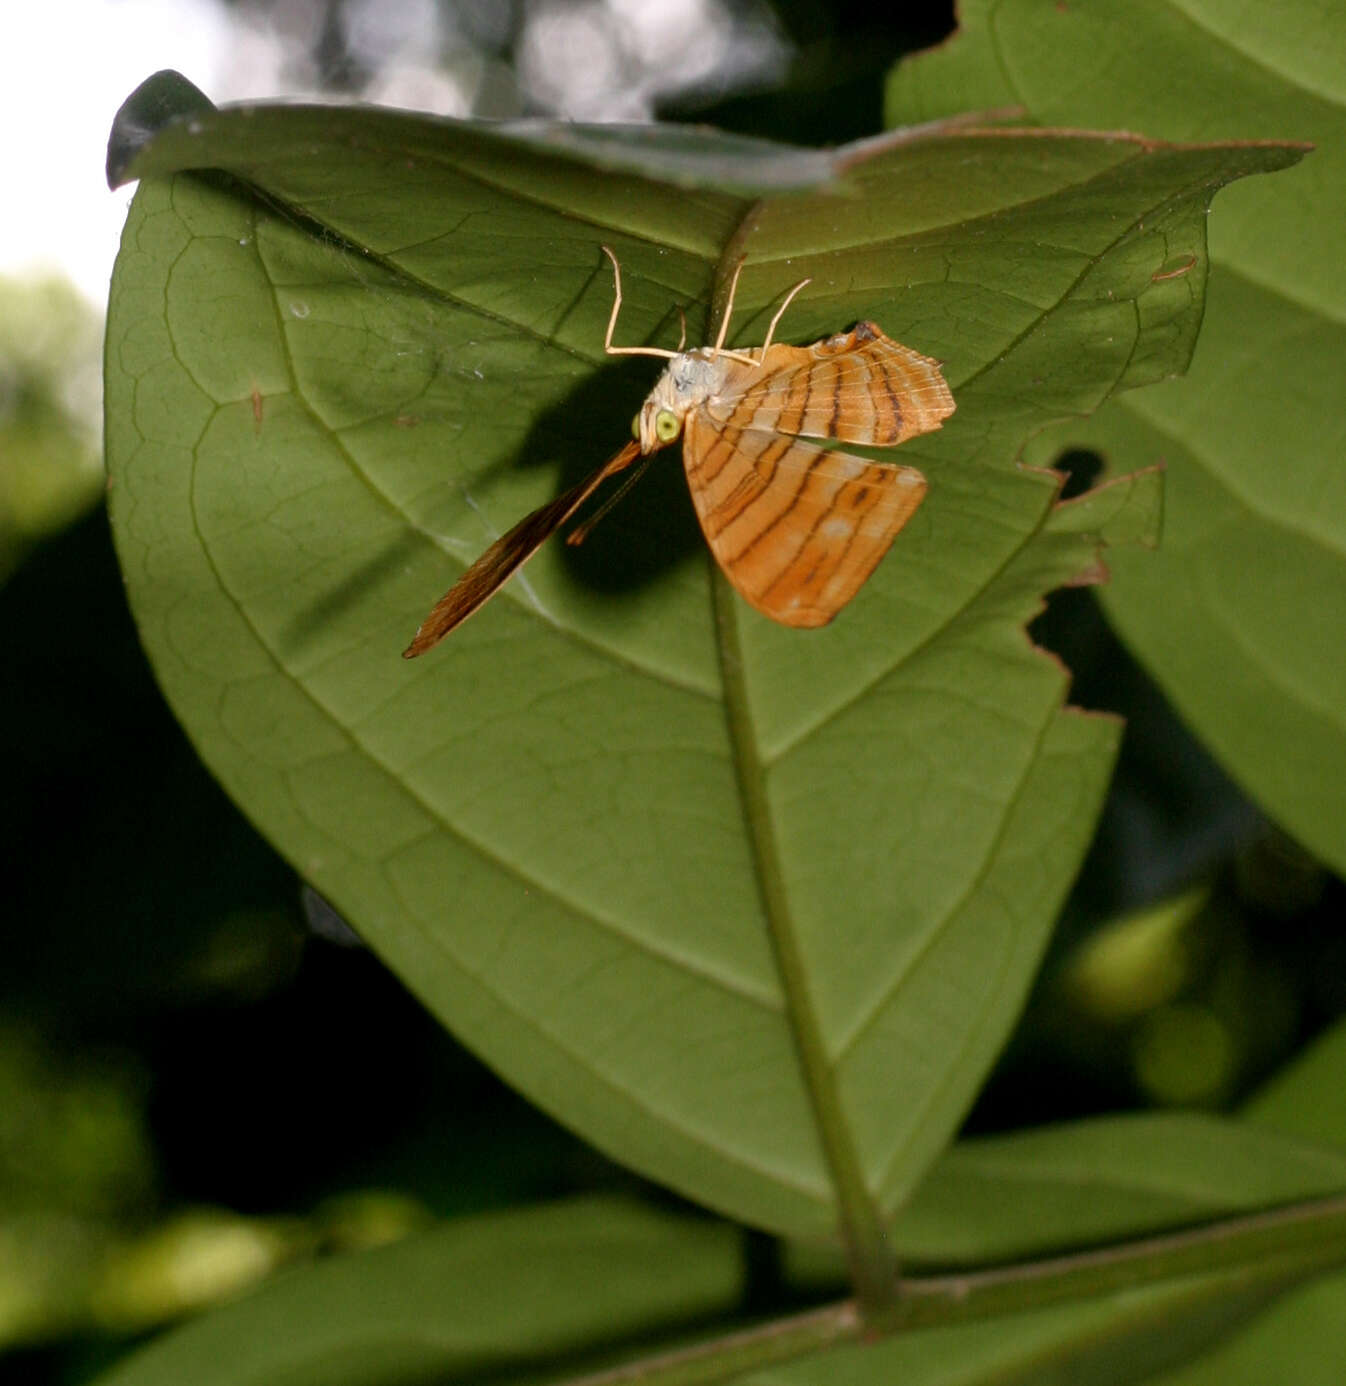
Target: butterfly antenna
612 320
780 312
728 311
586 527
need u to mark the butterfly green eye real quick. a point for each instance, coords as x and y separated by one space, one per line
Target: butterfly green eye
667 426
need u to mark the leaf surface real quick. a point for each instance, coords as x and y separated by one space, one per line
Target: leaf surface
750 909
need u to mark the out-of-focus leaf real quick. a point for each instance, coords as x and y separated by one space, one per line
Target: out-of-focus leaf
1240 615
752 909
1106 1179
504 1297
1309 1098
1303 1338
466 1302
50 469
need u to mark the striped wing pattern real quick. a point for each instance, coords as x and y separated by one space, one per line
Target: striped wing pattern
858 387
798 528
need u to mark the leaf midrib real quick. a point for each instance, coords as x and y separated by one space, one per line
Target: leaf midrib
861 1224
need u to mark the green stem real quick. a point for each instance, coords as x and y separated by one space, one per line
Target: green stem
869 1252
784 1340
1262 1252
1307 1236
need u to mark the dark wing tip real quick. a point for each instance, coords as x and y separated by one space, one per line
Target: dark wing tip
441 620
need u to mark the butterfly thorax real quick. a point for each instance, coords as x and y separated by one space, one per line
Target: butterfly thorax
690 379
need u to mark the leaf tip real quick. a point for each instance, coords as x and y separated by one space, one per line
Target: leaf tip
159 100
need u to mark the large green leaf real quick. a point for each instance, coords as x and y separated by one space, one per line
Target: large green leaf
750 908
1240 616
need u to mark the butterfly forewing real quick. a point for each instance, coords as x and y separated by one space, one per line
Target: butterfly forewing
508 554
858 387
796 529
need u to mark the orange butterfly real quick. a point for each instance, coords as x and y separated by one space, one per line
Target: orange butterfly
797 528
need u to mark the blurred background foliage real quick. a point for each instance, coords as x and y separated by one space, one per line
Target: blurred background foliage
50 393
202 1075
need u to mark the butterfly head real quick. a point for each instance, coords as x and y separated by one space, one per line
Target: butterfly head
689 379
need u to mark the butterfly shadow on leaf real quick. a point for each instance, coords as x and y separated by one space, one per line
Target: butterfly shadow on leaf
653 528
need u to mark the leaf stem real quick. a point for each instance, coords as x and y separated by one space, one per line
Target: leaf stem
869 1251
782 1340
1266 1252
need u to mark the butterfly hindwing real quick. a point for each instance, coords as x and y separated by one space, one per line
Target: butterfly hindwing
796 528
